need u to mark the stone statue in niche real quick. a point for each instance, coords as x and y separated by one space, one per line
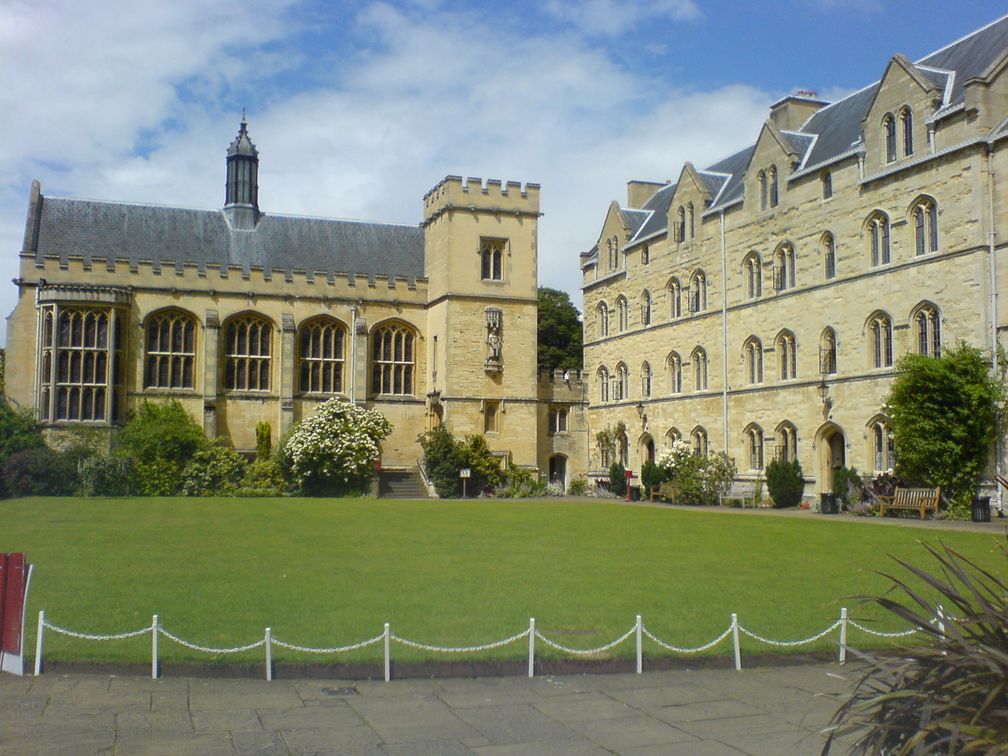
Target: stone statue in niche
494 361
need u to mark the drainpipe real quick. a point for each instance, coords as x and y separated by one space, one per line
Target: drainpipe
724 336
991 238
353 354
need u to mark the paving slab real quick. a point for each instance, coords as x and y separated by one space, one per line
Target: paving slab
706 711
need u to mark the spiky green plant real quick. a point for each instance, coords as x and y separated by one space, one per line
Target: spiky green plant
951 695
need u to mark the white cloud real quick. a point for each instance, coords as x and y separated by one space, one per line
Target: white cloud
611 18
432 92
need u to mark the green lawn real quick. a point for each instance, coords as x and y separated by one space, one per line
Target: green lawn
331 572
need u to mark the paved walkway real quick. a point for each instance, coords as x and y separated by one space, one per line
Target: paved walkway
775 711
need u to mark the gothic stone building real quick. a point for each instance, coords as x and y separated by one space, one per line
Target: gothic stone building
758 305
244 316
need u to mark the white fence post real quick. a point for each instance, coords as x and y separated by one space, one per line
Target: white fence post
388 653
268 643
39 645
843 635
531 669
738 654
154 648
640 659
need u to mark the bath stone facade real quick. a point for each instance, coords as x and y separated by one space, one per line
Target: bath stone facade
758 305
244 316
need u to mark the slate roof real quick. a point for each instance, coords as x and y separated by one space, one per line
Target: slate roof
834 131
145 233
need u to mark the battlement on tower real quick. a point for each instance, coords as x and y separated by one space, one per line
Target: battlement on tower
455 193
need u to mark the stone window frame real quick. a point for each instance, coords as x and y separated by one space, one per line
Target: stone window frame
922 215
646 380
674 290
827 245
671 436
170 354
698 291
926 321
316 367
906 124
558 420
622 314
491 409
247 350
700 441
889 137
828 351
877 232
602 313
826 181
881 449
752 356
602 376
786 436
772 188
645 305
785 266
493 251
879 330
621 382
394 372
673 364
752 269
786 346
699 368
753 436
761 187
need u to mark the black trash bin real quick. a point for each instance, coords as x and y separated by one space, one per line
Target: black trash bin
981 509
828 503
635 493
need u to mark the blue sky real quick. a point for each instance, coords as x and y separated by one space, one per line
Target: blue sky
359 108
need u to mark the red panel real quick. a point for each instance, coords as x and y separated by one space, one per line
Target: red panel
3 591
13 603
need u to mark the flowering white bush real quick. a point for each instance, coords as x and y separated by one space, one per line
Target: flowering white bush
671 459
335 450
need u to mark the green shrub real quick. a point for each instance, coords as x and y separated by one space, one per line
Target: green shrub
522 484
848 486
444 456
652 476
484 468
577 487
617 479
333 452
18 432
213 470
947 696
701 480
39 472
103 475
262 478
264 439
785 482
160 438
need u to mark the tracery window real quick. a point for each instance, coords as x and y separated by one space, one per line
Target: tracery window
882 447
880 336
170 359
492 259
603 380
927 325
827 352
81 364
674 290
906 119
698 437
754 440
392 359
752 352
698 361
877 230
698 292
248 348
787 442
558 418
889 130
674 364
622 313
925 221
621 384
784 267
787 355
671 436
772 181
603 319
829 255
321 356
753 269
645 375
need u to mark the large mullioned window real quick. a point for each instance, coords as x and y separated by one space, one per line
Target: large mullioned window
392 360
248 348
321 356
81 365
170 360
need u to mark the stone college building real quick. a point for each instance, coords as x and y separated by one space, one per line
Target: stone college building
758 305
245 317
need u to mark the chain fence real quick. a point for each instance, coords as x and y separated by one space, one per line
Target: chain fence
844 624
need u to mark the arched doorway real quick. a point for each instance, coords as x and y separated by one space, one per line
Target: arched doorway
831 455
646 448
558 470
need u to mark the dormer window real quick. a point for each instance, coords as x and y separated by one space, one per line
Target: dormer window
889 129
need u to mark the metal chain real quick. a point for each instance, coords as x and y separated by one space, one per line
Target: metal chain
881 634
336 650
679 650
585 651
459 649
89 636
206 649
802 642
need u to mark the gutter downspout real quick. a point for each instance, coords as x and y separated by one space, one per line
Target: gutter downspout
724 336
353 354
991 237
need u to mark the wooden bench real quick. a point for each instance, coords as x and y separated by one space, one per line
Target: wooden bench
745 490
665 492
922 500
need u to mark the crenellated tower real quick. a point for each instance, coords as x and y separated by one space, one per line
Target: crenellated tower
481 251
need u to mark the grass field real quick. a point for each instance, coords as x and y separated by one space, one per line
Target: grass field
331 572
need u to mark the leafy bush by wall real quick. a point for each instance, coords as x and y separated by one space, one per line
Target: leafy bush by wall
103 475
785 482
444 456
214 469
39 472
617 479
160 438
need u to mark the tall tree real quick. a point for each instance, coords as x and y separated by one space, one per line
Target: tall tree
559 331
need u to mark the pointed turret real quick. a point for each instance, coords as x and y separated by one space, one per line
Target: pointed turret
242 192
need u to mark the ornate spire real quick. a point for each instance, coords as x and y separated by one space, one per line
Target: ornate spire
242 145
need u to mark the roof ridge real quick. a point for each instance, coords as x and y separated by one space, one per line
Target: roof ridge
963 38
